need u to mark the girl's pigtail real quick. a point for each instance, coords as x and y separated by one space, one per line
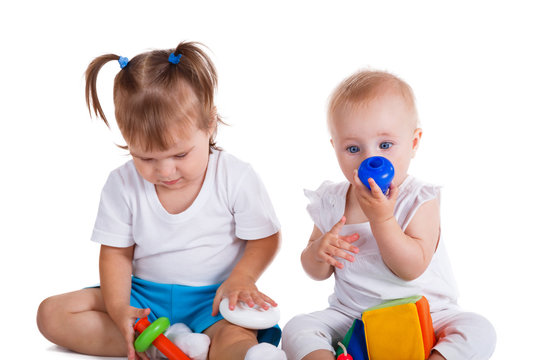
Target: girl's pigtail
92 101
200 69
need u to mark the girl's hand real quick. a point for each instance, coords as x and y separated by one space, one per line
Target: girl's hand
124 317
332 245
377 207
240 288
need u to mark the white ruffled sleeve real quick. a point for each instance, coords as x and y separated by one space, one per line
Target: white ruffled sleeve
327 204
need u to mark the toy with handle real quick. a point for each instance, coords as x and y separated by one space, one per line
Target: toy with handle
152 333
344 356
379 169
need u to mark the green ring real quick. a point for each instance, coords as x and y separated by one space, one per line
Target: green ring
147 337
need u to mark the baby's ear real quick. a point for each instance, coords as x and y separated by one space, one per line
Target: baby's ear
416 139
332 142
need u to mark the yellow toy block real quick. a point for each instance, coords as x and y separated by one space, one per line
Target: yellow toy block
399 330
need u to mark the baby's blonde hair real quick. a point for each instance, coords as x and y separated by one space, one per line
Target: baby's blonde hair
364 86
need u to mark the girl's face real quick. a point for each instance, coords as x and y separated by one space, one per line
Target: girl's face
384 126
179 167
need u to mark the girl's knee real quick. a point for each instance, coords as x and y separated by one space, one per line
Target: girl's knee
47 316
230 333
229 341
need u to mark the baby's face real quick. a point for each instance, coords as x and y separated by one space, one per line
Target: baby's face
384 126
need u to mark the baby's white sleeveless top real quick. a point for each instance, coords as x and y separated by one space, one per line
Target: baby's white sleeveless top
367 281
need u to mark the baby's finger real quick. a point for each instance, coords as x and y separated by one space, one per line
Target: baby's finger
332 261
338 226
375 189
350 238
341 253
393 191
346 243
359 186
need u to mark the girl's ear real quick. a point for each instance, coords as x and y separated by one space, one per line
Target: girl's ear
213 122
416 140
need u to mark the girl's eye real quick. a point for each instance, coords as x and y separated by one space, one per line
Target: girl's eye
385 145
353 149
179 156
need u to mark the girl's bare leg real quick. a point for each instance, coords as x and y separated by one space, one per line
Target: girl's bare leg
78 321
229 341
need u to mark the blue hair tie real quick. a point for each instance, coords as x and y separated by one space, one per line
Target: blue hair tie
123 61
174 59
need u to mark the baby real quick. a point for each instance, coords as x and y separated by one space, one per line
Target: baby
379 246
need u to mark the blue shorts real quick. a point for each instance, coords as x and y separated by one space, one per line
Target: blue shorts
191 305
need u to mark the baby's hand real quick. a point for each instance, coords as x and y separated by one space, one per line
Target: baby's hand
377 206
241 288
332 245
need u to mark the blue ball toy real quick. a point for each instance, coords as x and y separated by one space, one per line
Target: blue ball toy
379 169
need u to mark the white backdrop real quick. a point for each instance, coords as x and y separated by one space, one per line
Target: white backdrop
473 65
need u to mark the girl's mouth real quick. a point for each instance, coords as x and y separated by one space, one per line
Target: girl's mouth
172 182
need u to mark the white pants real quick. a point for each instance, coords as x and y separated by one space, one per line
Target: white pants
460 335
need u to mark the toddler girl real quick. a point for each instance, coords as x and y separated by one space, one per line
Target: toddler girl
379 246
181 225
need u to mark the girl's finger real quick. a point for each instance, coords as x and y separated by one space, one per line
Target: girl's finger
215 303
259 300
143 356
139 313
233 299
269 300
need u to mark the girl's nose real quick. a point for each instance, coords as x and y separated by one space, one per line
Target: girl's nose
165 168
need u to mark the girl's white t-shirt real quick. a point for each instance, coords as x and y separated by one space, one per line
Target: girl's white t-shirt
367 281
199 246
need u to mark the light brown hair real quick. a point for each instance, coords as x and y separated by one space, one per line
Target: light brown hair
364 86
153 97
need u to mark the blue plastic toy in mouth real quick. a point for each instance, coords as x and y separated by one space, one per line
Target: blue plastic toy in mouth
379 169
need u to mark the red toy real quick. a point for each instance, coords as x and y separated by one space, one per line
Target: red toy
344 356
152 333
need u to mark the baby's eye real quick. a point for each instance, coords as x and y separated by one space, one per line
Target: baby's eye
179 156
353 149
385 145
